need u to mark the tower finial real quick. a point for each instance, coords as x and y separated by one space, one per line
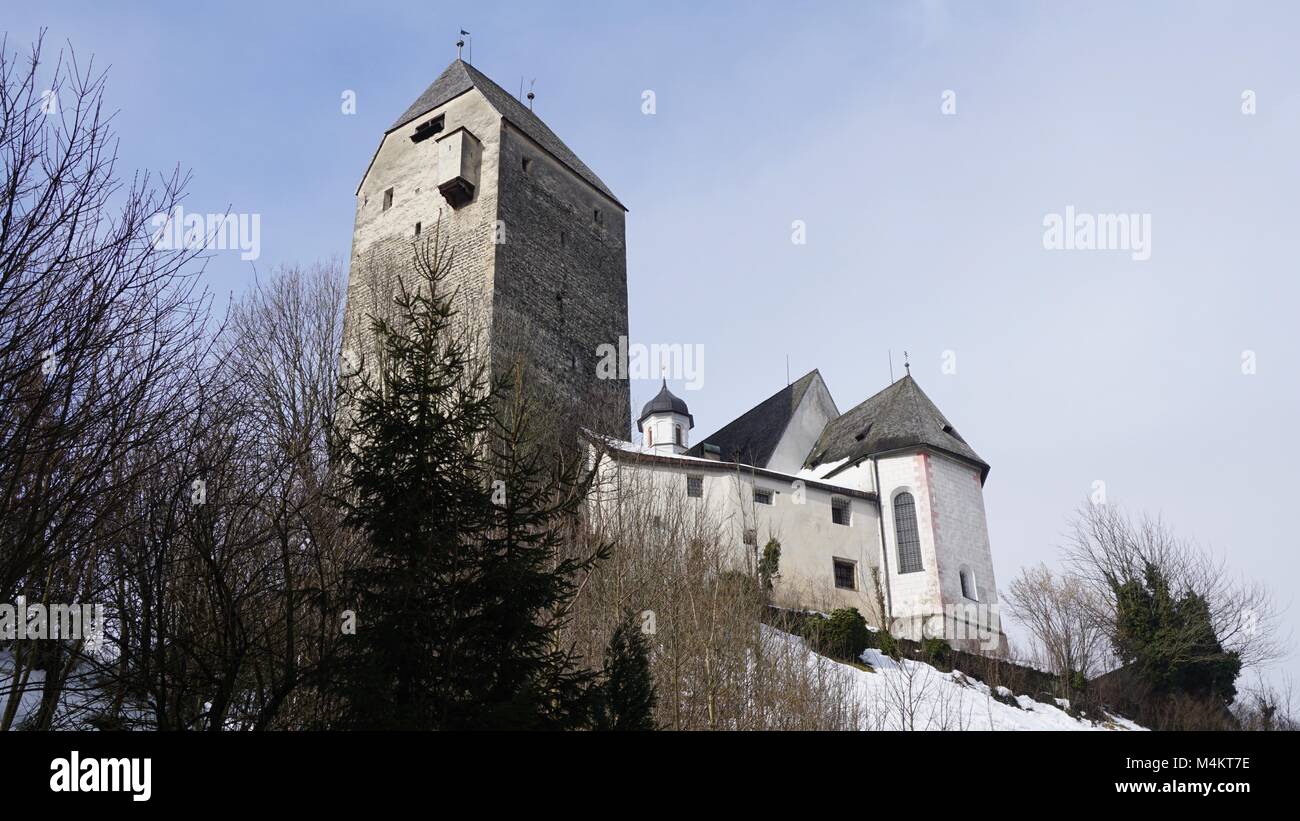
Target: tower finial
461 42
907 364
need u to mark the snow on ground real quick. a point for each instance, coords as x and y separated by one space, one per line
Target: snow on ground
912 695
80 703
894 695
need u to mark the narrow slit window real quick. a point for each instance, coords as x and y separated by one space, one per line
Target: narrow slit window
388 199
968 585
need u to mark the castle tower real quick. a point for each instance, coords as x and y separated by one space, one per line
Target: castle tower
665 423
540 262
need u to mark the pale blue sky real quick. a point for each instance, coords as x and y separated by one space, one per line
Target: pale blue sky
924 230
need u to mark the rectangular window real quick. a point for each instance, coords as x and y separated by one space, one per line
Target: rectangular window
695 486
388 199
417 229
845 575
762 496
840 511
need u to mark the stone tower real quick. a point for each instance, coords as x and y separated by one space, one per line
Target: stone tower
540 261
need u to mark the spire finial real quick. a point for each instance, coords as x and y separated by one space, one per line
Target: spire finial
461 42
907 364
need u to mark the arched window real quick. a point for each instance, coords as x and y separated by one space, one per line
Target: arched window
968 585
678 434
909 540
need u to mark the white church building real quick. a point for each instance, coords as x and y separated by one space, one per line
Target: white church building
883 501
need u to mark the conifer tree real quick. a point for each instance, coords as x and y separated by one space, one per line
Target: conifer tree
463 590
529 575
1171 640
628 693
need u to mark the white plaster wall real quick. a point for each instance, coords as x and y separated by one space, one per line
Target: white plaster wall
799 517
963 538
912 594
807 422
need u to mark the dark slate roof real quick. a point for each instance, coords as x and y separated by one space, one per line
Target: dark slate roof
665 402
900 416
751 437
461 77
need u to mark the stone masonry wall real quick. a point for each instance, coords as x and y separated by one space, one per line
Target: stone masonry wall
540 258
561 284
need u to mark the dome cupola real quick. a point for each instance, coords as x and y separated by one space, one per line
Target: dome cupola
665 423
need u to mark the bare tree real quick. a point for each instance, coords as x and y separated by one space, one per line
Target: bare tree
101 336
1109 549
1059 611
225 589
691 570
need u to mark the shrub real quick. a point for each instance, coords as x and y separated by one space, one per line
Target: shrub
1077 681
885 642
936 651
845 635
811 630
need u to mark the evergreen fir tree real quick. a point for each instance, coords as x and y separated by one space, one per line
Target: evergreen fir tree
462 590
530 578
1171 641
628 695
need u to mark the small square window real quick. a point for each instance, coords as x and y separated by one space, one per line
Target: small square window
845 575
762 496
695 486
840 511
388 199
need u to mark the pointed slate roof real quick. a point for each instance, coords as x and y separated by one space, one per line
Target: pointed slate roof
900 416
752 437
460 77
